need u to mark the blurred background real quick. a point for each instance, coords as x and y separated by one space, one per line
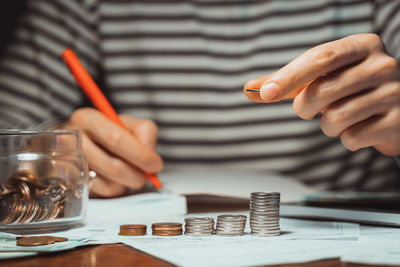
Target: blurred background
10 11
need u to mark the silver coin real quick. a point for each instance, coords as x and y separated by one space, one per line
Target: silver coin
264 226
270 209
230 234
261 194
264 222
232 217
264 218
199 229
258 230
231 224
260 225
265 231
228 229
252 206
199 226
264 213
198 219
266 234
265 197
269 203
265 209
198 234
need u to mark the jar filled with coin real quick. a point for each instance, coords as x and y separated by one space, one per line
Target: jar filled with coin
43 181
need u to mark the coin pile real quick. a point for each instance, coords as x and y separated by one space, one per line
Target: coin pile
199 226
231 225
167 229
132 229
264 213
27 198
30 241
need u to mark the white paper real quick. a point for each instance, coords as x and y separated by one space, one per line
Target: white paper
380 233
237 184
250 251
301 241
142 205
374 251
378 245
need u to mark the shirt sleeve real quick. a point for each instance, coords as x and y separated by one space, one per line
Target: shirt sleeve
387 25
35 85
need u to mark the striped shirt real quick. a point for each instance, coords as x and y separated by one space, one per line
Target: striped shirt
183 64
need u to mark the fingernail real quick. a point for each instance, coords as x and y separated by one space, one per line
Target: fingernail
269 91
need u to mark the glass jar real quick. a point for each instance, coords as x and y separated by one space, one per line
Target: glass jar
43 181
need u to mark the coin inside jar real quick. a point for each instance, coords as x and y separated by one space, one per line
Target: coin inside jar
132 229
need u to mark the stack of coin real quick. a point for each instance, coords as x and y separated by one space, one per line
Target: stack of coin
199 226
132 229
27 198
264 213
231 225
166 229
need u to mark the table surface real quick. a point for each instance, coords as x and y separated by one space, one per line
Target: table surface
122 255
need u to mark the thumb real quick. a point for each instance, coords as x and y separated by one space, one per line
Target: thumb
259 82
146 131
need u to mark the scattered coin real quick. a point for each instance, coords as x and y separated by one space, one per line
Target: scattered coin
132 229
36 241
61 239
199 226
264 213
56 238
167 229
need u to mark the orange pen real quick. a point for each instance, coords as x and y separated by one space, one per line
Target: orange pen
94 93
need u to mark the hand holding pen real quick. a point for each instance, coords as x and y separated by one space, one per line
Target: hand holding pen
120 149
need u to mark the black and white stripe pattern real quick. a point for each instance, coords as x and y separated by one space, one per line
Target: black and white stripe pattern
183 65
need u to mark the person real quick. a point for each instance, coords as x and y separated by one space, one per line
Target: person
176 68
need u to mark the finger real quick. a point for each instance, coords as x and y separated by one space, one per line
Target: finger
101 187
389 147
256 84
373 131
145 130
312 64
342 83
116 140
114 169
351 110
